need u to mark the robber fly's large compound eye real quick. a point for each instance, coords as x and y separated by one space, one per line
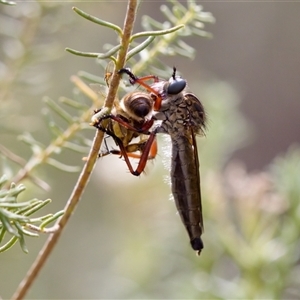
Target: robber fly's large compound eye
176 86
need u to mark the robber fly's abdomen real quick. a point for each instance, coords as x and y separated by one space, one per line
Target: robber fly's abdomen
186 189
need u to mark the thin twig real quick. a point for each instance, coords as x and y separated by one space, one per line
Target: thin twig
22 162
88 167
12 156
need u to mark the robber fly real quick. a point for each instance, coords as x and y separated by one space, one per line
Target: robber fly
182 116
130 118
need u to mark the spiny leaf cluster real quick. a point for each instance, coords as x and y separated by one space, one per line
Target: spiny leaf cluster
157 39
15 217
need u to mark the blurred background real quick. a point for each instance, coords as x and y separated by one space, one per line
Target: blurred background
125 240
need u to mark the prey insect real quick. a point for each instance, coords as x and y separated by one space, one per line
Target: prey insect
182 117
130 119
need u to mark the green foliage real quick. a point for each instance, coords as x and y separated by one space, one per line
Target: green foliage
15 217
69 137
189 20
253 223
158 39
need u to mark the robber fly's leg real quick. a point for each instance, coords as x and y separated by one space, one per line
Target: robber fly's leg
140 146
144 129
134 79
132 148
125 124
149 150
141 81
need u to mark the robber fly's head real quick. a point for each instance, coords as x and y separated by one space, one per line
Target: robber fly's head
138 105
175 85
169 90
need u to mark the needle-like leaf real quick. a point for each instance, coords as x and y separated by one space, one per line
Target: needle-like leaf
61 166
98 21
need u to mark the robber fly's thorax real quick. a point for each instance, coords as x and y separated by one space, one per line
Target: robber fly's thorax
178 111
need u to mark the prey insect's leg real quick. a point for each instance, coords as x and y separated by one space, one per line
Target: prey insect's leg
110 134
101 154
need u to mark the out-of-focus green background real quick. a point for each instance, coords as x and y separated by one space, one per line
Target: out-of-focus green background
125 240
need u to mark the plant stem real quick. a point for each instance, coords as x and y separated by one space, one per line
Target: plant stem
88 167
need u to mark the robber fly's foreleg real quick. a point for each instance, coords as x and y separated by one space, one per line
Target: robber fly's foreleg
131 150
148 148
149 151
141 81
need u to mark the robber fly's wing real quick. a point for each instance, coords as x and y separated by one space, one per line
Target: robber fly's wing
185 180
197 113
